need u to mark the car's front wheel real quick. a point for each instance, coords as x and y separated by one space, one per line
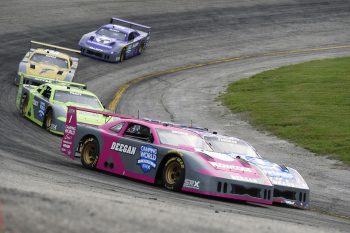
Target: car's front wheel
89 153
122 55
174 173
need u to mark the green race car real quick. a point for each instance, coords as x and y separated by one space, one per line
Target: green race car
46 104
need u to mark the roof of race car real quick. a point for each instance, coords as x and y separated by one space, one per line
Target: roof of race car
126 30
52 53
152 124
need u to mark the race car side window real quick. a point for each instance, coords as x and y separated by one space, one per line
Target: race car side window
131 36
47 92
139 132
117 127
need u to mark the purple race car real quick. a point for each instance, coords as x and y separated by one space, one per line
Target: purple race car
289 186
160 153
114 42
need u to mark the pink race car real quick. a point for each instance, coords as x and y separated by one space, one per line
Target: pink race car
159 153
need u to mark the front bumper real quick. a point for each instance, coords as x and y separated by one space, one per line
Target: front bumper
230 189
295 197
100 55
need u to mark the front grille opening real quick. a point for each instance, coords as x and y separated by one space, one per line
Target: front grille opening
225 187
93 53
285 194
219 187
241 190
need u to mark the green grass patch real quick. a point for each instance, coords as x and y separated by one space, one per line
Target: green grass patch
307 103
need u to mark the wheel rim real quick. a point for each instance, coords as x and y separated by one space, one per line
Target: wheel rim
48 120
173 173
89 154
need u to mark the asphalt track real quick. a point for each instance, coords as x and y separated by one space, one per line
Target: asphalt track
41 191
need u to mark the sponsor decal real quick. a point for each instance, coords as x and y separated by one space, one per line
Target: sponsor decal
230 167
67 137
191 184
35 102
53 127
42 110
131 150
70 129
148 158
103 40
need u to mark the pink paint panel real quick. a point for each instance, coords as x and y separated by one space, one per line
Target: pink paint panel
69 132
228 196
119 168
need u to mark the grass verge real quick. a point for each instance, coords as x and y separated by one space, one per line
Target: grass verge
307 103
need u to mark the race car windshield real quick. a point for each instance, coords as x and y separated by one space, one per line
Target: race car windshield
112 33
230 146
45 58
78 98
180 138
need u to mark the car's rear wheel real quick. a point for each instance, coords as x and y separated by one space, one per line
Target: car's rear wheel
174 173
48 120
90 153
24 105
122 55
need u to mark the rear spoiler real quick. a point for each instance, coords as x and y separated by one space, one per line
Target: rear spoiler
38 80
67 144
54 47
131 24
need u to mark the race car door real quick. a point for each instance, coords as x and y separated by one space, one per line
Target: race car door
133 44
40 103
130 152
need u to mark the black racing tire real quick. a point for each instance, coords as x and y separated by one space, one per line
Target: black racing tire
122 55
174 173
48 120
24 105
141 48
90 153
